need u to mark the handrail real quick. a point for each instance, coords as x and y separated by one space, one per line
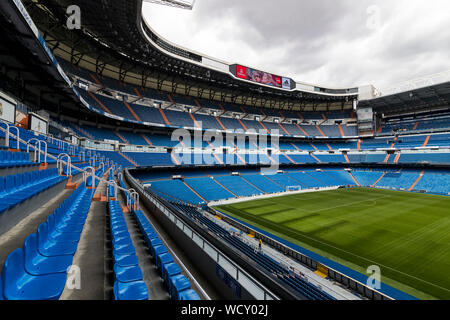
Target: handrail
29 143
86 175
8 127
60 158
129 202
60 164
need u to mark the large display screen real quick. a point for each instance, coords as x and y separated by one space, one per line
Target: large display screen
38 125
261 77
7 110
365 114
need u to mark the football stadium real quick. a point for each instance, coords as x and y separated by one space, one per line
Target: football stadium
132 168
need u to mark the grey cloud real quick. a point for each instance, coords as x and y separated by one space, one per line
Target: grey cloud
328 41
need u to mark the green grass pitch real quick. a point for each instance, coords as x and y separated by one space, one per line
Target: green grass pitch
406 234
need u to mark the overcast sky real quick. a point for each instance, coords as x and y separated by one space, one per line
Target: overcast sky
334 43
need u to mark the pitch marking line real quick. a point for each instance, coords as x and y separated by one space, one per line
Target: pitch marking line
358 256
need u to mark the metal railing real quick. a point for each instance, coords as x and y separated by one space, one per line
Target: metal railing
63 159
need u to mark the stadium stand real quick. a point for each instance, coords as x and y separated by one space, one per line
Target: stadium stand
38 270
106 117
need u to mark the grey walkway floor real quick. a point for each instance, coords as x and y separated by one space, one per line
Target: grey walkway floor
90 256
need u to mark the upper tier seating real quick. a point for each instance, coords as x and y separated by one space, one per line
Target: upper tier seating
434 121
136 112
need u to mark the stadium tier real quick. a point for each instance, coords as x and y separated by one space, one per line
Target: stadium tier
176 116
200 187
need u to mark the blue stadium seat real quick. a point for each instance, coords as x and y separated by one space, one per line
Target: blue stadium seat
170 270
136 290
178 284
48 247
158 250
126 260
20 285
162 259
128 274
188 295
37 264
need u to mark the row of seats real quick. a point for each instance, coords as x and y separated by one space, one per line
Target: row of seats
197 187
54 148
129 283
179 118
38 271
144 139
14 159
431 123
15 189
150 159
223 184
176 283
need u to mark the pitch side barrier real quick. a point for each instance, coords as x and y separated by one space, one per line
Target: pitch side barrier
214 257
349 278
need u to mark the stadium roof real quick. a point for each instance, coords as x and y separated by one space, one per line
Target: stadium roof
421 99
183 4
119 43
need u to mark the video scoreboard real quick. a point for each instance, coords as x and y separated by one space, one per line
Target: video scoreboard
261 77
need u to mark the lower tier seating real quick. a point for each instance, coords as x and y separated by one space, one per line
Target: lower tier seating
129 283
15 189
176 283
38 271
14 159
194 187
306 289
